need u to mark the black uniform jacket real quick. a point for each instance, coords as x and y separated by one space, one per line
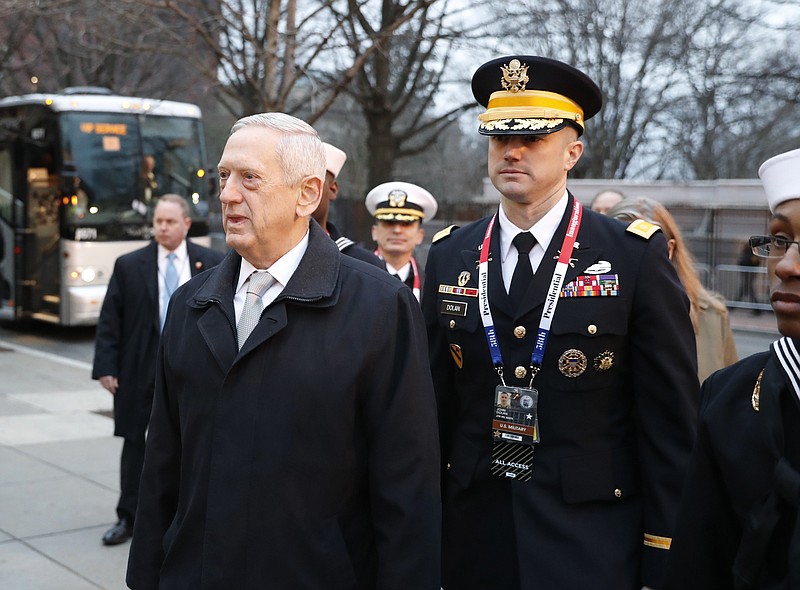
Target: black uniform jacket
350 248
730 476
615 440
309 459
128 330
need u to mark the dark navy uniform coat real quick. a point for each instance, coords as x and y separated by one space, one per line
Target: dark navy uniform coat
309 459
614 443
730 476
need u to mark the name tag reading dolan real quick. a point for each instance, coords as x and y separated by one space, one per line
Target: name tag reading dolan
454 308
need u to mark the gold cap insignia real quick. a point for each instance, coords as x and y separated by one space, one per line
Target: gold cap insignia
463 278
515 76
397 198
455 351
572 363
603 361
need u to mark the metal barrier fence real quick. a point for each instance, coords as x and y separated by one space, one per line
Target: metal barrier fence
744 287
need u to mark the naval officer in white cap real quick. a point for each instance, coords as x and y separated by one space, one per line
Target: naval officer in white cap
400 209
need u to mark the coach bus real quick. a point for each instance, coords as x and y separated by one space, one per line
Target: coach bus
80 171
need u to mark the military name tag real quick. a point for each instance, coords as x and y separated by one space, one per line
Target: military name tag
453 308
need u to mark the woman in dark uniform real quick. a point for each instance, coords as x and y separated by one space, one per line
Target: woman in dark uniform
737 525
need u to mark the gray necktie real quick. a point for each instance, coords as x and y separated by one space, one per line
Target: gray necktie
258 284
170 284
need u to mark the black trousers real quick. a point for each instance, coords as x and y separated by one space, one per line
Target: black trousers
130 473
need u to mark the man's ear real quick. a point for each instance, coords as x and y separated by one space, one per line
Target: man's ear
574 153
310 194
334 186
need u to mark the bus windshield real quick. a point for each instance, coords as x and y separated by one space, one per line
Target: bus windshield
116 165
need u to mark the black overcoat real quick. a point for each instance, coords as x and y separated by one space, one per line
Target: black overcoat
614 440
127 334
309 459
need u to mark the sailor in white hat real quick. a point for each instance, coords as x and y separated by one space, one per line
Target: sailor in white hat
400 209
334 160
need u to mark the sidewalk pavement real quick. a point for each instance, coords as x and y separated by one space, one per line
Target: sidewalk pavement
59 470
59 476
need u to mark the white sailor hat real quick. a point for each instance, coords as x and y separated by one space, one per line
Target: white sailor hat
781 178
334 159
401 201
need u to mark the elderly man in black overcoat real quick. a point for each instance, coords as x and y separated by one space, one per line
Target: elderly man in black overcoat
127 336
303 453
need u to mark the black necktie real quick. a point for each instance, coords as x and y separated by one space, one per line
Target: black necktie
523 273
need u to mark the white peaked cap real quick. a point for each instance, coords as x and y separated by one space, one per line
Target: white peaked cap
781 178
400 201
334 159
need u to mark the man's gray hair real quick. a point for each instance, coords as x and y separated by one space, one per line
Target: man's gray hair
299 151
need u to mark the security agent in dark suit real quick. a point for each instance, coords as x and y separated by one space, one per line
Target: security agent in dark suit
576 484
127 337
400 209
334 160
738 526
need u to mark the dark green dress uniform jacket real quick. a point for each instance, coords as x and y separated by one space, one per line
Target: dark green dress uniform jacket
614 443
731 476
306 460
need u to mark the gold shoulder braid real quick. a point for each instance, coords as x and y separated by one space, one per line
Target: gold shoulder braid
757 391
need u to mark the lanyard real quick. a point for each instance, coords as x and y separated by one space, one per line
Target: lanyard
551 301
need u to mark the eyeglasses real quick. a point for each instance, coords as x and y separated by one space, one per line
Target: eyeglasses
771 246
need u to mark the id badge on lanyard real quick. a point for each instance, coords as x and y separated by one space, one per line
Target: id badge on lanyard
515 421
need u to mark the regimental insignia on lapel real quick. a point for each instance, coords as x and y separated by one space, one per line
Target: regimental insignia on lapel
458 358
755 398
463 278
198 264
572 261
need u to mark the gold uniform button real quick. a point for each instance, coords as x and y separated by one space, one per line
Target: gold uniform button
520 331
520 372
452 324
618 493
592 329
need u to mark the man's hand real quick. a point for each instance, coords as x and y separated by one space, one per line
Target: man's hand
110 383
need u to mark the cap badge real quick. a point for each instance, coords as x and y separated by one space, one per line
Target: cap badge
515 76
463 278
397 198
572 363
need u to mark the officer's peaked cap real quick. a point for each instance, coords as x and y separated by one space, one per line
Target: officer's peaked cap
532 95
400 201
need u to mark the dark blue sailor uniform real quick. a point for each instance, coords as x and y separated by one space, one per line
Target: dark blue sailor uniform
616 412
738 515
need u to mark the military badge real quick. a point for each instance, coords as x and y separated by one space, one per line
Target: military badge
515 76
572 363
397 198
601 267
603 361
463 278
755 398
458 358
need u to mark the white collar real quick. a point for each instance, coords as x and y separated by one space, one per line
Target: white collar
543 230
281 270
180 252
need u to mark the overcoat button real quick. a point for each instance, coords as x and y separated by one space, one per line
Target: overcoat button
452 324
520 372
592 329
520 331
618 493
